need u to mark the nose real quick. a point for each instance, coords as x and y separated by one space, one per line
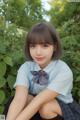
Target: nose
38 50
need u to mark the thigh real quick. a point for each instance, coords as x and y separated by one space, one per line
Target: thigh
51 107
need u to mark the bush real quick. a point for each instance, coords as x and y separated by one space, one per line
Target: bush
71 52
11 56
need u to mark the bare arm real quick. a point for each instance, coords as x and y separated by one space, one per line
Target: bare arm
18 103
43 97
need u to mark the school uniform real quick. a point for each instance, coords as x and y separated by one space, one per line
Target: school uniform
58 77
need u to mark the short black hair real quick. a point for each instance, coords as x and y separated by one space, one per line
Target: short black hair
42 33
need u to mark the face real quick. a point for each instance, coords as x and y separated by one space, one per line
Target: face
41 53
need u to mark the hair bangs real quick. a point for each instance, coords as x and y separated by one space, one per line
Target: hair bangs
40 37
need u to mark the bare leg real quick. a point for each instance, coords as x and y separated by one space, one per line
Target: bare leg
50 110
36 116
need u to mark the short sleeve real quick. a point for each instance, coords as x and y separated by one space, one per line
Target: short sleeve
22 77
62 83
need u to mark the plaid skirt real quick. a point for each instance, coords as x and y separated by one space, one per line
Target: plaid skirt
70 111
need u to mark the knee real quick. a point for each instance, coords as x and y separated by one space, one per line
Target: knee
44 110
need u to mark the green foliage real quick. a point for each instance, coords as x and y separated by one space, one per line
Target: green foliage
11 49
2 81
10 81
71 55
70 34
2 96
1 109
62 11
8 60
2 68
66 17
23 13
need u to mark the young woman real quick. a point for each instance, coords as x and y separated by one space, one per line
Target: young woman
44 82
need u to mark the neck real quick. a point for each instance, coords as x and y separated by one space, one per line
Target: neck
45 65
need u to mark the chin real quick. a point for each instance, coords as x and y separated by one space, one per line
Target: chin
40 63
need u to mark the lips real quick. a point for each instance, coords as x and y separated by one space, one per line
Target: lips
39 58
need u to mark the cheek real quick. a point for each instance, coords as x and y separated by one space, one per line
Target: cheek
51 50
32 52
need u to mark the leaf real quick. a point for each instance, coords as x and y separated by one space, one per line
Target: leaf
1 109
14 70
2 81
11 80
79 93
17 55
2 48
8 60
2 96
78 79
2 68
1 57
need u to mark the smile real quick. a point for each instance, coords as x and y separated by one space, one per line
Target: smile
39 58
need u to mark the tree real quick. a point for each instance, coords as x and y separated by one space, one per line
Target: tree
62 11
66 17
22 13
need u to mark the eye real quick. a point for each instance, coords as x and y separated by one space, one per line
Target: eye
45 45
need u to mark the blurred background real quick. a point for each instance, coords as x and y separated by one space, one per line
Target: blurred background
16 19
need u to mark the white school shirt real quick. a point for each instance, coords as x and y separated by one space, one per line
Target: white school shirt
60 79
